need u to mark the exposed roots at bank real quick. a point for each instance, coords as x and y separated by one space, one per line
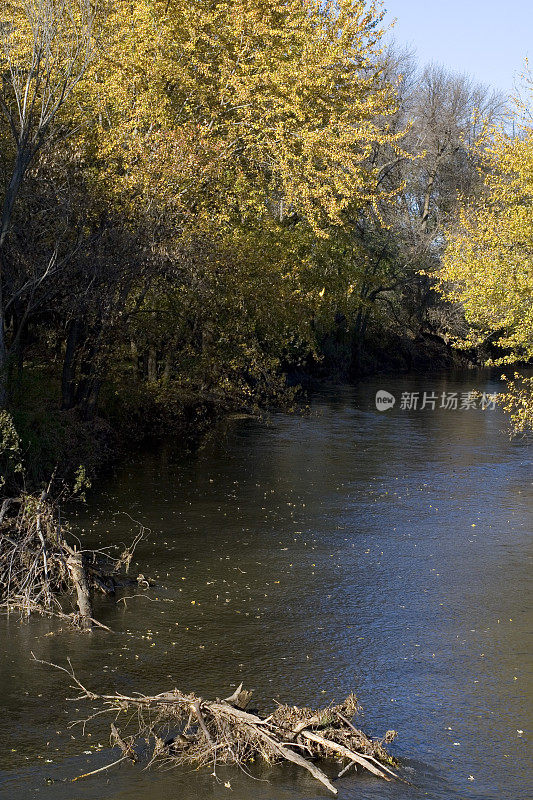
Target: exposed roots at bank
40 570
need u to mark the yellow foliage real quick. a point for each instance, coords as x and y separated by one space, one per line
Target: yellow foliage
271 105
488 265
215 144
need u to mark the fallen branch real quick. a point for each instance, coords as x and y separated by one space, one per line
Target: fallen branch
39 569
100 769
328 745
184 729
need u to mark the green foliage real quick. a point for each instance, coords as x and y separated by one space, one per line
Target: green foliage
11 460
51 441
81 483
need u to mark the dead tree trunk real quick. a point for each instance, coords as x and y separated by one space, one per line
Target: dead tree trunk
79 578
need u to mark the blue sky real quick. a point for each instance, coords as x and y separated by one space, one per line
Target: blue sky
486 39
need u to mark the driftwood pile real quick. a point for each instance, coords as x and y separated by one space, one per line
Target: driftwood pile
39 569
184 729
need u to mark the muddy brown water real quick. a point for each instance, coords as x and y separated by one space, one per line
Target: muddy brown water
388 553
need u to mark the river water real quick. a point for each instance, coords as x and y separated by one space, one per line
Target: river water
386 553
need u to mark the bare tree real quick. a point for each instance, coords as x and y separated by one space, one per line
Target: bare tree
443 114
449 113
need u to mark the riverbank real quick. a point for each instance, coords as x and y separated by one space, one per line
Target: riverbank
131 414
55 441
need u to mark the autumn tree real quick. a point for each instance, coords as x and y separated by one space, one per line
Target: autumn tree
488 266
236 124
283 96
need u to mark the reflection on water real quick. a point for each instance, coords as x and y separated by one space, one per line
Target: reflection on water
385 553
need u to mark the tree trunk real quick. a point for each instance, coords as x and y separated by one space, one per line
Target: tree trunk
91 398
69 366
18 345
166 370
152 365
22 161
87 369
79 578
427 197
3 350
135 358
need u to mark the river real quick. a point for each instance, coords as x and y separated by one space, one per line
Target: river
387 553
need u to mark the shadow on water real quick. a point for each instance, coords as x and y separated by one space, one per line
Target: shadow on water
349 549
